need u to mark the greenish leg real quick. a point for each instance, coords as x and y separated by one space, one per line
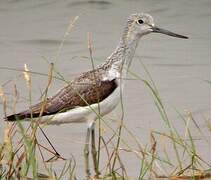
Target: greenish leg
94 152
86 154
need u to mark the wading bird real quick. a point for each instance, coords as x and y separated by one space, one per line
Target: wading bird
97 92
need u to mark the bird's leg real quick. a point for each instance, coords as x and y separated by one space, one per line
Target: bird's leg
94 152
86 153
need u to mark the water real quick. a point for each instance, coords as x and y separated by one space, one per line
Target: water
31 32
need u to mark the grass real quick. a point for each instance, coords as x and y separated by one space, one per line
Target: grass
169 154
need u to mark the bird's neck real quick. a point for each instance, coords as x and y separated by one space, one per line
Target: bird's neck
120 60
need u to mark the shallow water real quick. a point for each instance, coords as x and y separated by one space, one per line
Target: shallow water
31 31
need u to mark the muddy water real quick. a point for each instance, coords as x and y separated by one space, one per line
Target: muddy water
31 32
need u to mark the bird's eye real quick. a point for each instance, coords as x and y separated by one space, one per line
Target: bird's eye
140 21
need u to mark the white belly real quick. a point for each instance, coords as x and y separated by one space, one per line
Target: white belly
85 114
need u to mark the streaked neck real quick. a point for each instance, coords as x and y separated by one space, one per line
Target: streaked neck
120 60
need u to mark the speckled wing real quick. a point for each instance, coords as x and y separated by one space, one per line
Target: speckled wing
78 93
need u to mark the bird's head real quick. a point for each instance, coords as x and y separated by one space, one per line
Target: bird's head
142 24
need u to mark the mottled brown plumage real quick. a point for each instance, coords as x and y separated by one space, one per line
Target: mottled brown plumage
85 90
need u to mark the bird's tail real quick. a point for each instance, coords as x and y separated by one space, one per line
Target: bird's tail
14 117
